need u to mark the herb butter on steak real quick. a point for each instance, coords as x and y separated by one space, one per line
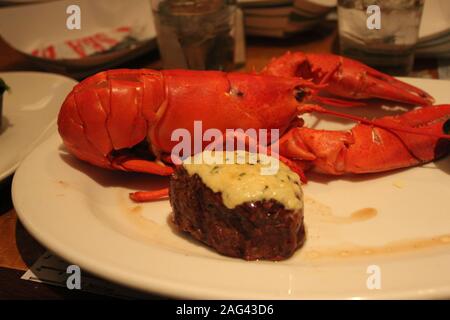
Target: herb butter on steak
237 210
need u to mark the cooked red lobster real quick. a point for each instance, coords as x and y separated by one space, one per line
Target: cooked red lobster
123 120
109 118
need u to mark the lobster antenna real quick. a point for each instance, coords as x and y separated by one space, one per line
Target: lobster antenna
314 108
334 102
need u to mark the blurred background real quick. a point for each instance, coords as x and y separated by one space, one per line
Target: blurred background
233 35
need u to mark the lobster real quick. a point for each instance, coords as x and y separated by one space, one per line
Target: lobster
345 79
123 120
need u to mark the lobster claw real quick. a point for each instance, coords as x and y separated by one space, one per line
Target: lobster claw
377 145
346 78
370 83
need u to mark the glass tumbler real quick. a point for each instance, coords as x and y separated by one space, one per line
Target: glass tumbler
196 34
388 46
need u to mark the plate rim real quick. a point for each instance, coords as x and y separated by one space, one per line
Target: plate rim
7 173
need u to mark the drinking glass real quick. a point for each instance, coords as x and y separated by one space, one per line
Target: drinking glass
389 48
196 34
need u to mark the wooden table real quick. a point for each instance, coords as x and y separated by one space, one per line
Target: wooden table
18 249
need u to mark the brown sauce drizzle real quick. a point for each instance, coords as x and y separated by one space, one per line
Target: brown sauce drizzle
401 246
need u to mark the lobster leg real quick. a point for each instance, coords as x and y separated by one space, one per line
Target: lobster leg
388 143
146 196
140 165
145 166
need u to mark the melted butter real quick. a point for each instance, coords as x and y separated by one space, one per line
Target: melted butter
239 178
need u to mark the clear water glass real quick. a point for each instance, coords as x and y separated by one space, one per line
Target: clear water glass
390 48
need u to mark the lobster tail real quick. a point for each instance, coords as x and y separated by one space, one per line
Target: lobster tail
109 111
73 132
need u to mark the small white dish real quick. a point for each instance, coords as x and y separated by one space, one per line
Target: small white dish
29 113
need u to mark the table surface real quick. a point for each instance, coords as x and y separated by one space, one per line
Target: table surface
18 249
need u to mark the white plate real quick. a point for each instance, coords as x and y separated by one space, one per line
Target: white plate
83 214
29 113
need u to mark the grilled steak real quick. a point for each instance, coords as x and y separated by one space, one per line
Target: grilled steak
256 230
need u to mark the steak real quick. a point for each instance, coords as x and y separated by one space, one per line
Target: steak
257 230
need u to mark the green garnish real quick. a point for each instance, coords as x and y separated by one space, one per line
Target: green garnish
3 86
